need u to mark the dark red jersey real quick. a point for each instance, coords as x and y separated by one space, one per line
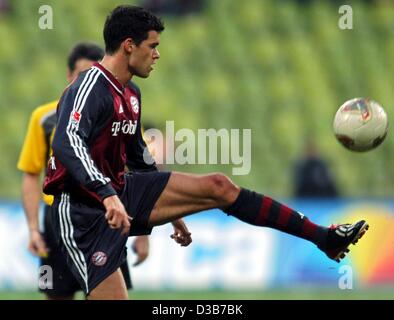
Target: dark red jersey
98 133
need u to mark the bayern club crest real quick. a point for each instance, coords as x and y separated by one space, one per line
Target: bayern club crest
99 258
134 104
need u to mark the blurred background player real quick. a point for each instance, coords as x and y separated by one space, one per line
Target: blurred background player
33 159
312 175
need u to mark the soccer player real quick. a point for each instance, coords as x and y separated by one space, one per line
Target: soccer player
33 158
97 206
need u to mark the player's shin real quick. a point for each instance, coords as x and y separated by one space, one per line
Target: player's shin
259 210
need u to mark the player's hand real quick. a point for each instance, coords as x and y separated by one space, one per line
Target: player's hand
37 245
116 214
181 234
141 248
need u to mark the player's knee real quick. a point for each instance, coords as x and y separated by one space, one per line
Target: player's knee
221 188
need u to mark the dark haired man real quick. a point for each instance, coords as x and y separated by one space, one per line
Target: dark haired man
99 132
32 161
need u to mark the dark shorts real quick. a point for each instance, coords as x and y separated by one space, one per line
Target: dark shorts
94 250
63 281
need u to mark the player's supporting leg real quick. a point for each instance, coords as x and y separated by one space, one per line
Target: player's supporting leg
186 194
112 288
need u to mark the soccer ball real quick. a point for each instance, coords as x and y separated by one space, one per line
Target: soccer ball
360 124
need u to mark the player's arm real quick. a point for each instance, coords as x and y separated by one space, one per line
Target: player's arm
181 234
141 247
31 163
31 195
79 113
83 111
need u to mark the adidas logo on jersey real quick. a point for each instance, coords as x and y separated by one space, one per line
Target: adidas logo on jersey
121 109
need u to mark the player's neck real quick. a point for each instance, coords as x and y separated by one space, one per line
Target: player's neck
118 68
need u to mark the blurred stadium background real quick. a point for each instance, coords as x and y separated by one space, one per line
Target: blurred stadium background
280 68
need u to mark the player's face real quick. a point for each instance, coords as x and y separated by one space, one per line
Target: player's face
80 66
144 56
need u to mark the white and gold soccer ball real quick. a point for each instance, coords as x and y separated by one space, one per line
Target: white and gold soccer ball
360 124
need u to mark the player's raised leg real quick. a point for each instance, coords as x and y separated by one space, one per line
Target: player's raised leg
186 194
